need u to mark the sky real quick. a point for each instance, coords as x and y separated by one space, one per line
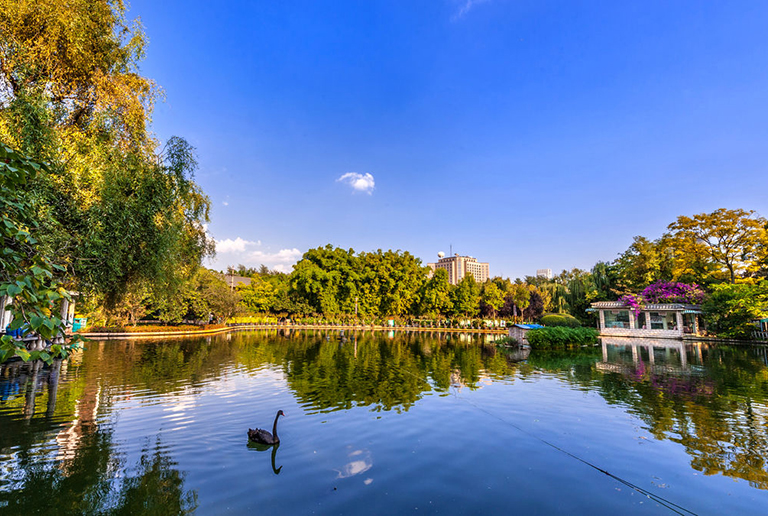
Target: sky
528 134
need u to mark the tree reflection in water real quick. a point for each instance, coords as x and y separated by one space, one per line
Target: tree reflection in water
57 453
387 374
712 400
86 474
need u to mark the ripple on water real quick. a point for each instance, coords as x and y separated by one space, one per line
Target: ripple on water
366 434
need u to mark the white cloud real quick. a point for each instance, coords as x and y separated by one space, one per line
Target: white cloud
241 251
281 261
225 203
359 182
237 245
466 6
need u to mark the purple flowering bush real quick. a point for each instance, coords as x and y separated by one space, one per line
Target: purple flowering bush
664 292
672 292
632 302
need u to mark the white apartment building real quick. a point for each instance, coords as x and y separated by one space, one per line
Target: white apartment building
459 266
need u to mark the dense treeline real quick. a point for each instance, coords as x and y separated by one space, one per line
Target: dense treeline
724 252
341 284
334 281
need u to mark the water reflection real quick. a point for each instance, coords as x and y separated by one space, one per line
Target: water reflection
65 460
58 423
365 370
360 461
264 447
712 400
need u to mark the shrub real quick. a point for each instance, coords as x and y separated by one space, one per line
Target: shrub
560 337
560 320
507 341
730 311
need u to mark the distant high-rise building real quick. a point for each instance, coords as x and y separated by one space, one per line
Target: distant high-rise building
544 273
459 266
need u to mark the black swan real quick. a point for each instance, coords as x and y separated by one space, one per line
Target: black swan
262 436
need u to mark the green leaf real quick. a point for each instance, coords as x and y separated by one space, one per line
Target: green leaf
36 321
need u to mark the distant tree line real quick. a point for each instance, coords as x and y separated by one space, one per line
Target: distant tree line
724 252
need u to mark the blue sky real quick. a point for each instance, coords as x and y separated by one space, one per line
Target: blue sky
529 134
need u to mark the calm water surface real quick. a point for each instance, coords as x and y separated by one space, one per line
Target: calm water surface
383 423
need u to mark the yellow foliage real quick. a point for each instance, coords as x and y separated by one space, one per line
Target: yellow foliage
725 244
83 58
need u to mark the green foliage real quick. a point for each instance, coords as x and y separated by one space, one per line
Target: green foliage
337 281
492 297
731 309
643 263
117 212
258 297
26 274
466 297
327 279
560 320
146 228
436 295
558 337
507 341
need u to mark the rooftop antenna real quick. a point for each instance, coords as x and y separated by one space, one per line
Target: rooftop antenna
451 253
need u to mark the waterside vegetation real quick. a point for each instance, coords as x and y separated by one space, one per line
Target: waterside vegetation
93 203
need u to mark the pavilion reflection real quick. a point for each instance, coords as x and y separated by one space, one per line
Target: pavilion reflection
672 366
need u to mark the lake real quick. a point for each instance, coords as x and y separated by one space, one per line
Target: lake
386 423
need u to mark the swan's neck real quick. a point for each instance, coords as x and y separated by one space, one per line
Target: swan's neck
274 427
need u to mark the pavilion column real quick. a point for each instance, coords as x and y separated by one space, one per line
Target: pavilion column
65 311
602 320
5 315
679 316
71 314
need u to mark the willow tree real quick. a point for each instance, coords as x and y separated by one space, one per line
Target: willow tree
121 211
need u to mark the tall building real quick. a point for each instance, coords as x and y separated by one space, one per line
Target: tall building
459 266
544 273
